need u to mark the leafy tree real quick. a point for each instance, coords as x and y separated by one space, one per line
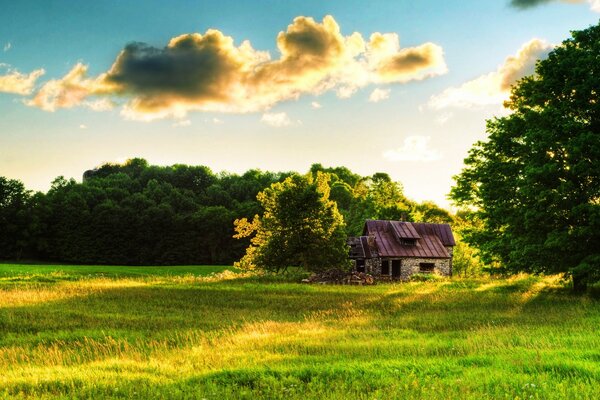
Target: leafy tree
428 211
300 226
17 222
535 182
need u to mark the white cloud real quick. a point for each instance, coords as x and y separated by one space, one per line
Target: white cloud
315 105
217 121
595 5
7 46
277 120
494 87
82 126
415 148
18 83
99 104
379 94
443 118
182 123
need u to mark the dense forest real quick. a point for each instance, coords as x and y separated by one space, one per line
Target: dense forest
135 213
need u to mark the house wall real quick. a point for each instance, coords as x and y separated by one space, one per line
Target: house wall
450 250
410 266
373 266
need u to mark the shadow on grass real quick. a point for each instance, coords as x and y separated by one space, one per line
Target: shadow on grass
152 311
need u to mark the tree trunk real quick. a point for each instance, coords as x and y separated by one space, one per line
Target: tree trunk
579 283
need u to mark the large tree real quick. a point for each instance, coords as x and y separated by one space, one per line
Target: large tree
300 227
535 182
18 222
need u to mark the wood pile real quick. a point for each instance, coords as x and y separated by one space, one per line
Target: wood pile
339 277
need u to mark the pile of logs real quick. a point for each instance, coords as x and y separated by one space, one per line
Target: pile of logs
336 276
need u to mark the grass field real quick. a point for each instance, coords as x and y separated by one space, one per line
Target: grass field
178 332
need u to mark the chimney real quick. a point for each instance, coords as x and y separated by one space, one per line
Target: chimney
403 217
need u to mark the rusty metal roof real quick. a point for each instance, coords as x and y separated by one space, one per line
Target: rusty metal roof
359 247
407 239
442 231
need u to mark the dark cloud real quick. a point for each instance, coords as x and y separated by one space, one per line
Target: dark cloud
528 3
192 67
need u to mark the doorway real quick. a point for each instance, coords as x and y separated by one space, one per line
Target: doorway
396 269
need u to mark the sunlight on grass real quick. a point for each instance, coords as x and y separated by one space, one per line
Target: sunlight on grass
231 335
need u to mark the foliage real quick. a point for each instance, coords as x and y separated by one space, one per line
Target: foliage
536 181
135 213
131 335
466 260
300 227
19 224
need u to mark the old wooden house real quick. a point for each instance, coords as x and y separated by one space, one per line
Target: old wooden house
397 249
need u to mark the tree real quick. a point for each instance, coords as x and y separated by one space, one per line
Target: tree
17 223
300 226
535 183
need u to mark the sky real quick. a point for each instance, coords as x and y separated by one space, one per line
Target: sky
402 87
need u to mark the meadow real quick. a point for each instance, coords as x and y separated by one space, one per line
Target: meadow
209 332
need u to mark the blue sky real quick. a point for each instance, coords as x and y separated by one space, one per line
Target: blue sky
411 110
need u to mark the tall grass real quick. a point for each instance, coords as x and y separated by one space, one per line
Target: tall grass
189 335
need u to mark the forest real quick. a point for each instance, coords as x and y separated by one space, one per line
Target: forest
140 214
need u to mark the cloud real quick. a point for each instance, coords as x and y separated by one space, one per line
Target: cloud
443 118
18 83
209 72
378 95
394 64
70 91
415 148
494 87
315 105
82 126
217 121
276 120
7 46
182 123
523 4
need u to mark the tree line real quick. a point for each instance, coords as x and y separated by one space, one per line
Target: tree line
140 214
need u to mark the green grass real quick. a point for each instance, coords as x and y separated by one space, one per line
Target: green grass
183 332
87 271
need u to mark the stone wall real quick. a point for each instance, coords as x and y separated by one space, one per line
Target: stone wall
410 266
373 266
450 250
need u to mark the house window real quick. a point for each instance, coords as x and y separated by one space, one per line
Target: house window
385 267
409 242
426 268
360 265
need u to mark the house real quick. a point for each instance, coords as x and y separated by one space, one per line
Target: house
397 249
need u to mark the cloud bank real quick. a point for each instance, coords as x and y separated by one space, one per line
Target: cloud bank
494 88
17 83
208 72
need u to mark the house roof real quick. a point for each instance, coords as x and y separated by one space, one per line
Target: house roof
392 238
359 247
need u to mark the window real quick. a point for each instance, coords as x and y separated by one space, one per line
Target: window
385 267
408 242
360 265
426 268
